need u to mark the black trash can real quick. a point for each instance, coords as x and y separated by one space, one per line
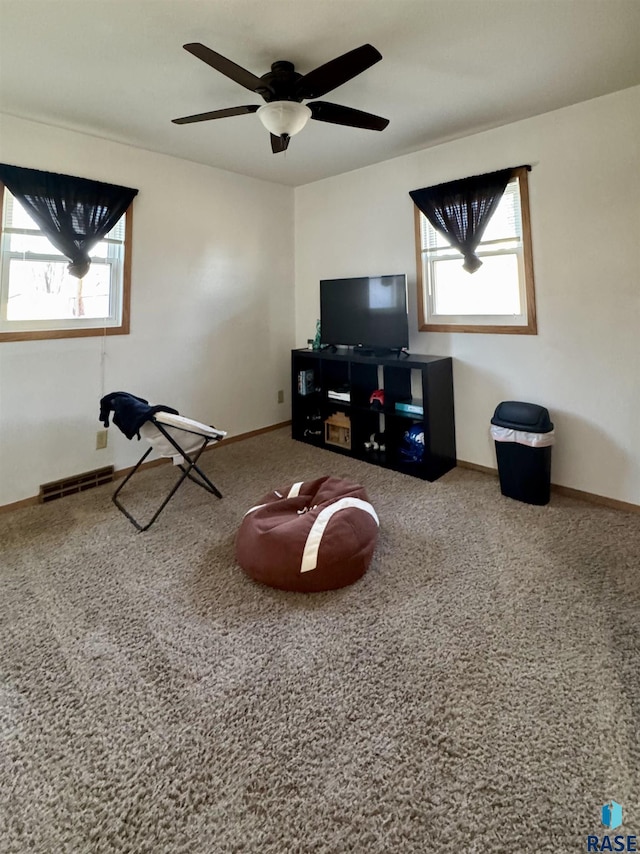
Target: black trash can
523 435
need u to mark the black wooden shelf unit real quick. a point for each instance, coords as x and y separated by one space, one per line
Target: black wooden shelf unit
345 422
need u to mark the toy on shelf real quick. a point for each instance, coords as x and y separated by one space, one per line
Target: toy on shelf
376 401
412 447
338 430
377 442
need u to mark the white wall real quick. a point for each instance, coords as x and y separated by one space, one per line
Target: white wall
212 315
584 364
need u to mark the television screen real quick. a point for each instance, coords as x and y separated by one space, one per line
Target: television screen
370 311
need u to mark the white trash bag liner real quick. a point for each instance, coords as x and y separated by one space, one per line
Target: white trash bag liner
533 440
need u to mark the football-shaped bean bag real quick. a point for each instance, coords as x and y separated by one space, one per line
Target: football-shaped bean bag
309 536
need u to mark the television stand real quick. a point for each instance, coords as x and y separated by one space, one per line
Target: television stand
372 351
352 377
380 352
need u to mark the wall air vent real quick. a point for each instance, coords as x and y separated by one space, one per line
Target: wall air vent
78 483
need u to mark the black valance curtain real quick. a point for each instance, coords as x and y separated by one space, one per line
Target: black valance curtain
74 213
461 210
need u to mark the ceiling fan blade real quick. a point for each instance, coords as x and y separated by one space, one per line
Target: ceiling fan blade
336 114
279 143
225 66
216 114
336 72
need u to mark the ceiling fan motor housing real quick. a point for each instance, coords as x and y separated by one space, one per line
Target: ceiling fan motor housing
280 82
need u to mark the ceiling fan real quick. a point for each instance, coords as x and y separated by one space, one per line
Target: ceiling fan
283 89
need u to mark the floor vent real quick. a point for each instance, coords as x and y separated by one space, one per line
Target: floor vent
78 483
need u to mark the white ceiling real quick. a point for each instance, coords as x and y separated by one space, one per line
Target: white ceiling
116 69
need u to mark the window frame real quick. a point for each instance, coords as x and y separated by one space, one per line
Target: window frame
81 331
528 328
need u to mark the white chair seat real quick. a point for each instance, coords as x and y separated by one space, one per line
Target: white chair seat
187 433
189 424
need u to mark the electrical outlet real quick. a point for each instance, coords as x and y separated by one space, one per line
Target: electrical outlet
101 439
281 396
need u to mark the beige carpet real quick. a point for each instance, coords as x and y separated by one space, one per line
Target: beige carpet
477 691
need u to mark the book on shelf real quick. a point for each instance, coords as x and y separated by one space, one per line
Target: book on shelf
410 407
305 382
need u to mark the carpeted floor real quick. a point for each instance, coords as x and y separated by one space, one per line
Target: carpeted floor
477 691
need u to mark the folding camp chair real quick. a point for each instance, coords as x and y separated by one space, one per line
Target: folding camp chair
182 439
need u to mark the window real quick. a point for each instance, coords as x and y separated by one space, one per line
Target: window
40 299
499 296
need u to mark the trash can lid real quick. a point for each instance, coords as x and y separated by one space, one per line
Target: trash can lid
522 416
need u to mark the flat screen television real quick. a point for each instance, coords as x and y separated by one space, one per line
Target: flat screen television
369 312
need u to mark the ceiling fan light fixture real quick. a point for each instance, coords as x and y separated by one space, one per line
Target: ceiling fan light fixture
284 117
